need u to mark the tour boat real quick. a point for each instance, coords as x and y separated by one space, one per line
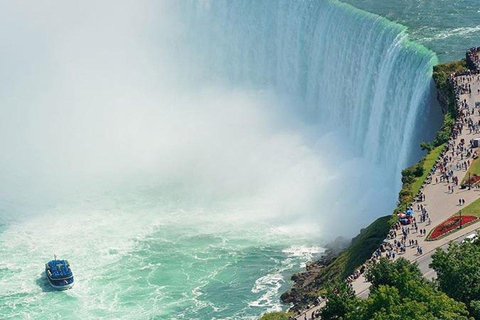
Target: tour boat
59 274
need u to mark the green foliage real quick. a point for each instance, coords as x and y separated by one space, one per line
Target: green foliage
415 171
361 249
426 146
407 176
398 292
418 300
412 179
364 244
418 170
458 273
414 298
473 169
341 301
445 131
276 316
474 308
395 274
445 88
441 72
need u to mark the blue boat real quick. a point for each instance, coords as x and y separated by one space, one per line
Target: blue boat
59 274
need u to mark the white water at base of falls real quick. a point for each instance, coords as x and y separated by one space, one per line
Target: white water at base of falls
188 156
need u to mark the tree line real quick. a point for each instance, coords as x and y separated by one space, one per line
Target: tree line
399 291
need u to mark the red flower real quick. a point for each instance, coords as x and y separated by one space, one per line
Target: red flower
449 225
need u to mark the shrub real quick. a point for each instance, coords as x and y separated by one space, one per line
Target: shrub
276 316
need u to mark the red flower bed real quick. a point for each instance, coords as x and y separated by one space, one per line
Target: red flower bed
473 180
449 225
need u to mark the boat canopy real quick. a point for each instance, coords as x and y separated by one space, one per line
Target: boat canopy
59 269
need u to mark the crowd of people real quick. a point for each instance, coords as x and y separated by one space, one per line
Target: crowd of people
456 156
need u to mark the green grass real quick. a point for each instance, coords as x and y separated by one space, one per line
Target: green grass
474 169
473 209
361 249
427 163
370 238
413 178
366 243
411 182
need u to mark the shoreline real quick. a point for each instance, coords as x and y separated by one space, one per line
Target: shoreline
310 284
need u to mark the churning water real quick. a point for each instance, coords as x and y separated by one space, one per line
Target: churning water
188 156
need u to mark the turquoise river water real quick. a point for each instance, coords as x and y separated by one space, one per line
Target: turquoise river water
187 156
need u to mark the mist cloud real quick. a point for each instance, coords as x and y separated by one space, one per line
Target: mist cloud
102 95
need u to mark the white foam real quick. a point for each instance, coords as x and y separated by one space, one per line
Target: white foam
453 32
270 284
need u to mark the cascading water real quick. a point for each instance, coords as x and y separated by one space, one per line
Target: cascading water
187 157
362 77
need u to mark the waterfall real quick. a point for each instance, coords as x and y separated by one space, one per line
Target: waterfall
195 154
353 71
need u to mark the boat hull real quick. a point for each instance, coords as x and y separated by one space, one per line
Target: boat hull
59 274
60 287
63 287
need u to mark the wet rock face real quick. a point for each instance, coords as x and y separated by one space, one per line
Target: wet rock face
306 282
443 101
290 296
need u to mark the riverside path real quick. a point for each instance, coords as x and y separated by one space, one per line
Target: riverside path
439 202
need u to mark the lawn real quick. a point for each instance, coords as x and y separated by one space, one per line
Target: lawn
430 160
473 170
472 209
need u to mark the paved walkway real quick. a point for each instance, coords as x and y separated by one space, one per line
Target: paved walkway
439 202
440 205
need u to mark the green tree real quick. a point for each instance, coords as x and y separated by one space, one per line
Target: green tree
426 146
341 302
475 309
400 292
386 302
458 273
395 274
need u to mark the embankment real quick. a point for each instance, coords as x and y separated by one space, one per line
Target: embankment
333 267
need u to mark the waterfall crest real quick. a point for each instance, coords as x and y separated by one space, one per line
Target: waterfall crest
354 71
